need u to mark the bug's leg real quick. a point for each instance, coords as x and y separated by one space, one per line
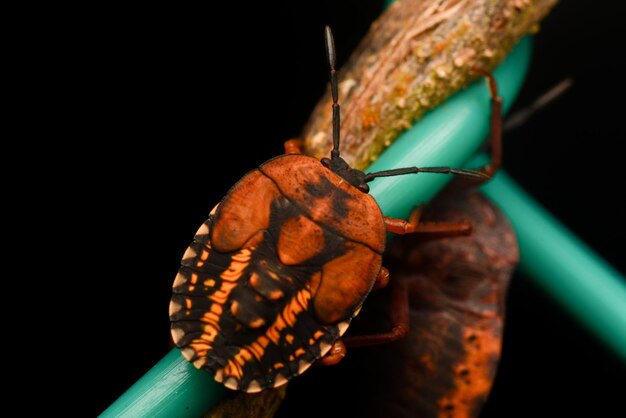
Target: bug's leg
294 146
413 225
495 140
382 280
336 353
399 320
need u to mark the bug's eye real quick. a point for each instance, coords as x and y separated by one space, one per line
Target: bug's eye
325 162
364 188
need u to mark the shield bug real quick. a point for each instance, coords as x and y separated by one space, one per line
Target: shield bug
284 262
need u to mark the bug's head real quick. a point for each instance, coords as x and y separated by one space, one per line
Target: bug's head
353 176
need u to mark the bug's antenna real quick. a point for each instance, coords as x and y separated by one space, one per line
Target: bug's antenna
332 61
477 174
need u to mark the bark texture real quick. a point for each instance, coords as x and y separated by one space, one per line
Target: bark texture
418 53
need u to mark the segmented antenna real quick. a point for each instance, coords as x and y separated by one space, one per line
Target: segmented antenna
332 61
477 174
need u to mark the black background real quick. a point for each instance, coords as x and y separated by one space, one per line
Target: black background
158 111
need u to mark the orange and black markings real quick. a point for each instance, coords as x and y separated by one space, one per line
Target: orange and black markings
275 275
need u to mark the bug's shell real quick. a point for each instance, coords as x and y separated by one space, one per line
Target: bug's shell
276 273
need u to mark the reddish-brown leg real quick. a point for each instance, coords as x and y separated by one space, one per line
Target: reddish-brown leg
413 225
338 350
336 353
399 320
400 226
495 141
294 146
399 323
382 280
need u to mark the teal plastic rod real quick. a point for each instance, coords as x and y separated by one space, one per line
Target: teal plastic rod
449 135
172 388
560 263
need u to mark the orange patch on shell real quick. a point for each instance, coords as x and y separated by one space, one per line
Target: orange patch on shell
243 212
300 239
345 283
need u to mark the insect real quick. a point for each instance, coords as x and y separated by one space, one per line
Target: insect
284 263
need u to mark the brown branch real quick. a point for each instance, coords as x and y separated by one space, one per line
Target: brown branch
418 53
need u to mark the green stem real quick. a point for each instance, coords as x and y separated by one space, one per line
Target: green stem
560 263
172 388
